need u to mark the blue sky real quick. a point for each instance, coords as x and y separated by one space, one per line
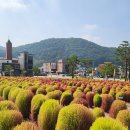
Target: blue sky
105 22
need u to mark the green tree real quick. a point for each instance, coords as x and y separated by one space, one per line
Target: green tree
107 69
72 63
36 71
8 69
123 55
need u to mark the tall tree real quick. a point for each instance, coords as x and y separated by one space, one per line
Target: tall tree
36 70
72 63
123 54
107 69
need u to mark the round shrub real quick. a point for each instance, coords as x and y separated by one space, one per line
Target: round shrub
41 91
105 90
116 106
23 102
103 123
26 126
1 90
120 95
80 101
7 105
98 112
33 89
124 117
89 98
36 103
86 90
97 100
48 114
66 98
54 95
106 102
78 94
127 96
112 93
13 93
75 117
6 92
49 89
9 119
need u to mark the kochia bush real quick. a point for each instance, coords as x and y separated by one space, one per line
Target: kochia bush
9 119
23 102
13 93
7 105
66 98
5 93
89 98
124 117
103 123
36 103
116 106
99 112
106 102
48 114
26 126
97 100
75 117
80 101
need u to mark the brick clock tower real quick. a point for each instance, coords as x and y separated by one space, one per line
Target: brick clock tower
9 50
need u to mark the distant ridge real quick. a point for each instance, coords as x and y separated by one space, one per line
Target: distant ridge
59 48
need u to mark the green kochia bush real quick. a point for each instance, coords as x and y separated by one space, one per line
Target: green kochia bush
54 95
48 114
103 123
23 102
36 103
1 90
97 100
116 106
99 112
41 91
124 117
13 93
75 117
26 126
6 92
66 98
7 105
9 119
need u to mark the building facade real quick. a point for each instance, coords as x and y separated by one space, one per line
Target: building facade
57 67
9 50
26 63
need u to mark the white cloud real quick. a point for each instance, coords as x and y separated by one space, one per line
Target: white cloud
12 4
92 38
90 27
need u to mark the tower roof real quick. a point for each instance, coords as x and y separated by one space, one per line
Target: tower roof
8 42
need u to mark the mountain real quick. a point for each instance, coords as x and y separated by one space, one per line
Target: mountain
50 50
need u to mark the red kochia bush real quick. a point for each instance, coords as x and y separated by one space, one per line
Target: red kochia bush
106 102
127 96
89 98
80 101
116 106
